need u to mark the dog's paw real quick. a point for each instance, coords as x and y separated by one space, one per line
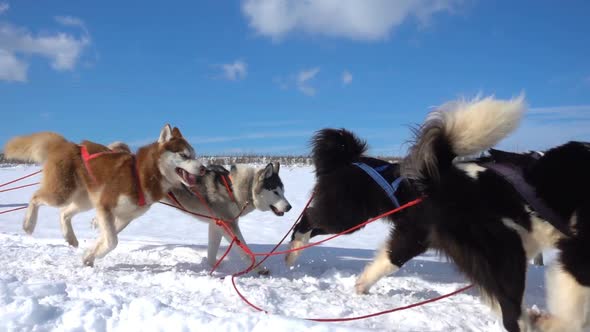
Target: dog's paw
540 321
534 314
291 257
262 271
361 287
28 228
88 260
73 242
212 262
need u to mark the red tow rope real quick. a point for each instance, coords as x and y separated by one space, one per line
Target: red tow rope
19 187
224 224
346 319
253 256
21 178
15 209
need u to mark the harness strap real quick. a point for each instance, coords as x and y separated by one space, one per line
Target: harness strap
390 189
515 177
140 195
175 200
381 168
228 188
87 157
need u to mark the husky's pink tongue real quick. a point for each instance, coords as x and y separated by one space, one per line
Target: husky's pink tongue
190 178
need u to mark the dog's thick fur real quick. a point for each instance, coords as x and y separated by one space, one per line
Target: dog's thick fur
476 218
110 186
251 189
344 195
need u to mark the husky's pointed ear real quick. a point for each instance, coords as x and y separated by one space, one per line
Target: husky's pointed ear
165 134
267 172
176 133
275 167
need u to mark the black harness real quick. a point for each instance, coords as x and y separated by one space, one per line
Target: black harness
375 172
513 173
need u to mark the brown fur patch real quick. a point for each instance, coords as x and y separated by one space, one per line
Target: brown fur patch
67 181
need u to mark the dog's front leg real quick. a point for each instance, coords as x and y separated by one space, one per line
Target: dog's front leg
301 235
32 212
66 215
107 240
245 257
214 241
403 244
299 240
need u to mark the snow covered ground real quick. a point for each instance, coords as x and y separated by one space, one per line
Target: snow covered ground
157 279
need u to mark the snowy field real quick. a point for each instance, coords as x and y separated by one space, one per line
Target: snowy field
157 279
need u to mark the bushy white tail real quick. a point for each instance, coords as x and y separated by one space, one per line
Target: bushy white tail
33 148
461 128
474 126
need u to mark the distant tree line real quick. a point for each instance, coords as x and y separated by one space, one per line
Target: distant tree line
4 161
243 159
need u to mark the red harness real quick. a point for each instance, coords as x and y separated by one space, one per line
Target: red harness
87 157
227 182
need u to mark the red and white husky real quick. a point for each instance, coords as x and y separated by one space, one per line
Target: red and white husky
119 185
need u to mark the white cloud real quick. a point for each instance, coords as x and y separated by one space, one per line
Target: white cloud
238 70
277 123
346 77
533 135
255 150
354 19
565 113
4 6
71 21
11 68
303 78
63 50
565 123
251 136
212 140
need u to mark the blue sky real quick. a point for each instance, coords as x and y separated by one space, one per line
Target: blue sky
258 76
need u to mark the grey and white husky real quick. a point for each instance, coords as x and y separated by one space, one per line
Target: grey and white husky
248 188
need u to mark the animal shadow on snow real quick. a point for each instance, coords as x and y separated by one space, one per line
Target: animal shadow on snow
315 262
324 262
183 264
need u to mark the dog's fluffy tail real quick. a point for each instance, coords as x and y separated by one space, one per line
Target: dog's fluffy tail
333 148
119 146
33 148
461 128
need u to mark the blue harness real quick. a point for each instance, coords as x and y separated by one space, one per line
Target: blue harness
389 188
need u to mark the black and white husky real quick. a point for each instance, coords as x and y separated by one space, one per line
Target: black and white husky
231 194
470 213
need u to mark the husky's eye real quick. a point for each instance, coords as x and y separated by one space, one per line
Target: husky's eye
184 156
276 193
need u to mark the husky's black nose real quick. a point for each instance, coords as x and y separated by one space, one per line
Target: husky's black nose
202 170
288 208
